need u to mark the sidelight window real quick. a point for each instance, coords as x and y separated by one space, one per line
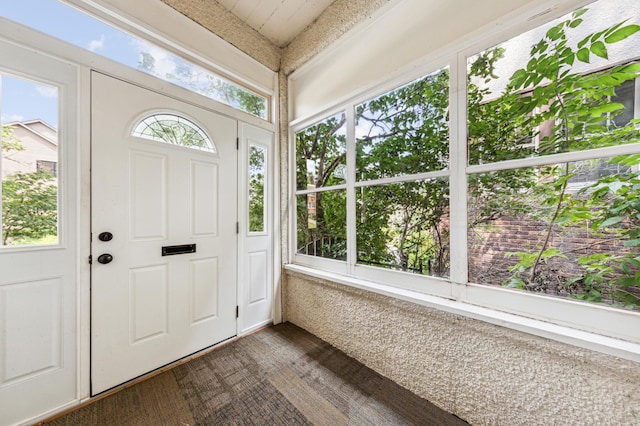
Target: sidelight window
29 162
257 186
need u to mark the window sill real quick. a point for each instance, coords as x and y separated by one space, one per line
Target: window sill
583 339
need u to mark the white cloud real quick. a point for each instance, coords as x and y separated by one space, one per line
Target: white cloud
96 44
47 92
10 118
164 61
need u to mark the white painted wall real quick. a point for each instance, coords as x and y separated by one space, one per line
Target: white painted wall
601 14
399 39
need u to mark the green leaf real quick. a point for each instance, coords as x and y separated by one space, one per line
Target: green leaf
575 23
555 33
573 280
612 221
628 282
583 55
622 33
578 13
600 110
633 69
625 268
514 283
599 49
632 243
583 42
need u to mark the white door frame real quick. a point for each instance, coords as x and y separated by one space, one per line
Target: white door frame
86 62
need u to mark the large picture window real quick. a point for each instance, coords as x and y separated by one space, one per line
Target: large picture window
524 181
566 228
402 222
402 196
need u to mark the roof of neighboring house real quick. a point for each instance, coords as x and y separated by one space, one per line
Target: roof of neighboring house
30 127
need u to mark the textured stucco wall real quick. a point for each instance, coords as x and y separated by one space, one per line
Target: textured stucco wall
483 373
334 22
215 18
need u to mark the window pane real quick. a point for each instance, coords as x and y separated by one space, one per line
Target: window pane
66 23
565 86
29 162
405 226
321 152
257 176
175 130
625 95
405 131
322 224
566 230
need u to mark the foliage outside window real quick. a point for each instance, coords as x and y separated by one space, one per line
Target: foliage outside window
535 228
404 225
257 176
29 166
402 148
321 164
82 30
552 170
199 80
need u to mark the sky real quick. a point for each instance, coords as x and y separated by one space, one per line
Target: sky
23 100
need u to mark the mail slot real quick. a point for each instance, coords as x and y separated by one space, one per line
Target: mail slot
182 249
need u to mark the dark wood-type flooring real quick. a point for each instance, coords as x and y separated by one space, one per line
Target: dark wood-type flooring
281 375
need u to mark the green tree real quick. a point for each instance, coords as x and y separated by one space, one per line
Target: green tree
320 158
202 82
29 206
9 141
405 225
579 108
256 188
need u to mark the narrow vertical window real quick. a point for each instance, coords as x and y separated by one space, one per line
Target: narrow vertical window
402 199
29 162
257 180
321 152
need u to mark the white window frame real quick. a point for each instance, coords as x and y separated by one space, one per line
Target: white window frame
606 329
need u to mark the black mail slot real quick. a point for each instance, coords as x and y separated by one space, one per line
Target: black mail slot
182 249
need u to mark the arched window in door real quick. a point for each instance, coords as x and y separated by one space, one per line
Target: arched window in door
174 130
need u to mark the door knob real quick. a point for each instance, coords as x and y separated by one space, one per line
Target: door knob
105 236
105 258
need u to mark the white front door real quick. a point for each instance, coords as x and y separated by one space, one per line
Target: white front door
39 278
164 238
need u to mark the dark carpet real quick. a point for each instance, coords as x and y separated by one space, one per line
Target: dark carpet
281 375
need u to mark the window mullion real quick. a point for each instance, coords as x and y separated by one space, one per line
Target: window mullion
352 254
458 177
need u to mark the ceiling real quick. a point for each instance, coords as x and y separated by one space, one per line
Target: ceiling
280 21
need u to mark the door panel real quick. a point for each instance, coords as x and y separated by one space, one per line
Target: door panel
148 308
256 273
38 249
